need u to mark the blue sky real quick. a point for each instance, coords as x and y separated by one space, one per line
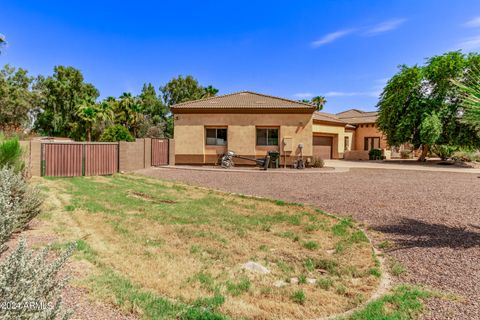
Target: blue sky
345 50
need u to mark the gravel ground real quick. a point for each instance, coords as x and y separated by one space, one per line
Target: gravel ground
432 219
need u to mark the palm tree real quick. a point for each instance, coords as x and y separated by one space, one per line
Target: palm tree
470 114
209 91
105 111
88 112
131 110
319 101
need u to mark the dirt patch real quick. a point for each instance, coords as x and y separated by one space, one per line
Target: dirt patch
148 197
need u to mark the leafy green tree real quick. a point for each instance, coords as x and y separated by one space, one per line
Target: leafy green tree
151 104
319 101
181 89
62 95
17 100
156 115
420 105
116 133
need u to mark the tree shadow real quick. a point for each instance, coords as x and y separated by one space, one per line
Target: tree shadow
411 233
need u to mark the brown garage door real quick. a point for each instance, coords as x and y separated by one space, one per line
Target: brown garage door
322 147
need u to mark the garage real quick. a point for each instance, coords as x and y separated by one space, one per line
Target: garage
322 147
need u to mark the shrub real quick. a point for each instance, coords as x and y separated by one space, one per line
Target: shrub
328 265
116 133
444 151
405 154
17 199
298 297
466 156
325 283
397 269
309 264
7 219
318 162
29 284
341 290
11 154
32 283
375 272
236 289
302 279
311 245
375 154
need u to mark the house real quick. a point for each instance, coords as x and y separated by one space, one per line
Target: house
364 134
251 124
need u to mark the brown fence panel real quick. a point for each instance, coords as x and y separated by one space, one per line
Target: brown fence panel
61 160
159 152
101 159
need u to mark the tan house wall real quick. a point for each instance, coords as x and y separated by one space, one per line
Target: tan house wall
189 133
335 131
368 130
351 143
362 131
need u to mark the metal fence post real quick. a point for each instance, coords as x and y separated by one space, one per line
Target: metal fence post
42 160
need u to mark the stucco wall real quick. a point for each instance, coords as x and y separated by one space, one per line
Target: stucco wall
335 131
367 130
135 155
351 140
189 134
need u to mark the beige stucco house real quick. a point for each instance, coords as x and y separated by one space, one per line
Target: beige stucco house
251 124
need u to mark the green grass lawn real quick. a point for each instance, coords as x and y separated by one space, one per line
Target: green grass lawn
166 251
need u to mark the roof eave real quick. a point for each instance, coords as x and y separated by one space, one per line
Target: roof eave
241 110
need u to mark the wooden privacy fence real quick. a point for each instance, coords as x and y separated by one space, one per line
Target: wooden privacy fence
160 152
79 159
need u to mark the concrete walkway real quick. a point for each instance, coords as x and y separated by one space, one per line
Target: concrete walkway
395 165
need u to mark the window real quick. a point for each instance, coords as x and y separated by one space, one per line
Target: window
371 143
347 144
267 136
216 136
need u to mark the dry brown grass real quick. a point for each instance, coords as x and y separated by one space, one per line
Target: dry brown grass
184 243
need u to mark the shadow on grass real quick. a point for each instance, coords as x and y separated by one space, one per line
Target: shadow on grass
410 233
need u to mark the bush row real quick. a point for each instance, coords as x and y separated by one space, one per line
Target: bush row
30 287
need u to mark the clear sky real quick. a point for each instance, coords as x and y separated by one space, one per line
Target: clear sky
344 50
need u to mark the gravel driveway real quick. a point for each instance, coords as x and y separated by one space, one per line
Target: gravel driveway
432 218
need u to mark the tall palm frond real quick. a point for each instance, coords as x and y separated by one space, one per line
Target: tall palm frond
319 101
470 114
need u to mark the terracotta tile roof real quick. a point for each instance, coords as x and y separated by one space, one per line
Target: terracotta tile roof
244 99
328 117
355 116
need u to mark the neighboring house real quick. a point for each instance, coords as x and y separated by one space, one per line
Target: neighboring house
251 124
